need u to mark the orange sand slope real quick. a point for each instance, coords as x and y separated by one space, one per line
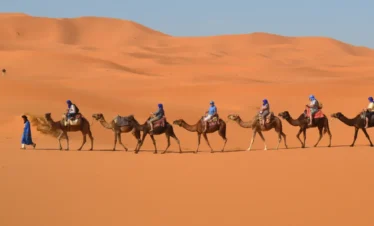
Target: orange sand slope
120 67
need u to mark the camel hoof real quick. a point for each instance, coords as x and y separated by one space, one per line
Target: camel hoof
91 149
155 152
67 149
248 149
113 149
351 145
126 149
163 152
195 152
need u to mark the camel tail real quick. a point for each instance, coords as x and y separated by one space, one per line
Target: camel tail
42 125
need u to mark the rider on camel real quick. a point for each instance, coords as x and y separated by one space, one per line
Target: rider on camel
211 112
314 107
368 111
265 110
156 116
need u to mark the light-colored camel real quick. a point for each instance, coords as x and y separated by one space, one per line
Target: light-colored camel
213 127
255 124
118 129
84 127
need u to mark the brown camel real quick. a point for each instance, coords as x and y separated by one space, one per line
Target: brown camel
255 124
159 127
119 125
303 122
357 122
214 125
84 127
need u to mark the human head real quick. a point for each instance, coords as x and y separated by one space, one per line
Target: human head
371 99
264 101
24 118
311 97
211 102
68 102
160 106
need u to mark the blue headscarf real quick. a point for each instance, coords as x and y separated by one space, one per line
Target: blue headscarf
311 97
160 106
264 102
371 99
68 102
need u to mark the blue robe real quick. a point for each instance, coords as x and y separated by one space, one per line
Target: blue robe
26 136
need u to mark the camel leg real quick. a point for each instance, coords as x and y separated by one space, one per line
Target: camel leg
253 139
284 138
222 133
136 134
320 136
91 138
367 136
178 142
168 145
120 141
84 141
198 142
327 129
59 139
207 141
298 137
115 141
355 137
154 143
304 133
141 142
263 139
67 140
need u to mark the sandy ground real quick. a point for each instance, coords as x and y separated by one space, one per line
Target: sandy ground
120 67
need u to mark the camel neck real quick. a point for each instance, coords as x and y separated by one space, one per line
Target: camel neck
347 121
105 124
244 124
293 122
191 128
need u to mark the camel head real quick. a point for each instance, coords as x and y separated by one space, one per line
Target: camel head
98 116
178 122
285 115
233 117
336 115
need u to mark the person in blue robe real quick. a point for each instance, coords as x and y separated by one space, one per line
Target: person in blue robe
26 136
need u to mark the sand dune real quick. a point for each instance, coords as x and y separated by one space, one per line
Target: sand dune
121 67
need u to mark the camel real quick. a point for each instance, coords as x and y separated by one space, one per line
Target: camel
357 122
320 121
214 125
159 127
84 127
119 125
255 124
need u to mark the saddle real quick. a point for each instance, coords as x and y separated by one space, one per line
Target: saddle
123 120
318 114
268 118
74 121
214 120
159 123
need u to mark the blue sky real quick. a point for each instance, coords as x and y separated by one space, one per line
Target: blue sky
346 20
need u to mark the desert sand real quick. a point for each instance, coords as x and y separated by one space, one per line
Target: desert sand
113 66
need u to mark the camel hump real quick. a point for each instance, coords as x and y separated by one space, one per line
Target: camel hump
123 120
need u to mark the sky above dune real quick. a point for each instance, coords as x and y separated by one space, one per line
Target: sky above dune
348 21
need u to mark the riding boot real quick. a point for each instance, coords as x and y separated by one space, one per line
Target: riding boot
367 122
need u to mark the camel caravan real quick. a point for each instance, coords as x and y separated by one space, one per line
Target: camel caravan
157 124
